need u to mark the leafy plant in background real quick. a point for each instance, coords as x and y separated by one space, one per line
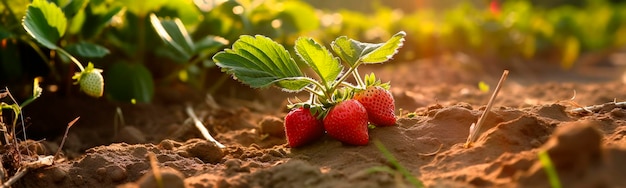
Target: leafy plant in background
47 24
60 29
125 28
191 31
518 31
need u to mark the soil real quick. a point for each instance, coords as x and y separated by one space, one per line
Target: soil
436 100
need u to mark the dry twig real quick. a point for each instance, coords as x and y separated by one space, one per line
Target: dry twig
201 127
475 127
67 129
595 108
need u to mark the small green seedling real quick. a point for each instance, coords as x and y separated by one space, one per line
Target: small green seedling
396 164
546 162
260 63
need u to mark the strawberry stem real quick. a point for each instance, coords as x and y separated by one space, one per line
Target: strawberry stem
344 77
313 91
358 79
80 66
347 84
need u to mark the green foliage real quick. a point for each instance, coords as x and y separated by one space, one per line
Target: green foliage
175 35
180 45
45 22
175 39
260 62
353 51
520 31
87 49
9 132
136 84
319 59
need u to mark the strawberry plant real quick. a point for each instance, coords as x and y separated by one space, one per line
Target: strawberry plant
260 62
47 23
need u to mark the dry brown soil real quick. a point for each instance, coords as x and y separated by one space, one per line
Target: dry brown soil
531 114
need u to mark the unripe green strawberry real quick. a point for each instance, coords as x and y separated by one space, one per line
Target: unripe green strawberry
347 122
379 104
90 81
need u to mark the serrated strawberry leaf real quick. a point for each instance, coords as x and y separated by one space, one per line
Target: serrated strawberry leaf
383 52
353 51
45 22
260 62
319 59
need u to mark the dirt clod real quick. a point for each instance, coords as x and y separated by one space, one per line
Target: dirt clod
272 126
202 149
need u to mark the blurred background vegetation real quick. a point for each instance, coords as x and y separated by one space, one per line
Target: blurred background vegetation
174 47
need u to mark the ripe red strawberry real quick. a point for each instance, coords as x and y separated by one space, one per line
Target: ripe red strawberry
379 105
301 127
347 122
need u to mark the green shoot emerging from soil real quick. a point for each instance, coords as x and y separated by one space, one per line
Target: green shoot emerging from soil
260 62
546 162
396 164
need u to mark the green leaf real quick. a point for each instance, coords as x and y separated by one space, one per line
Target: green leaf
129 81
45 22
346 50
383 52
99 16
73 7
174 34
86 49
210 43
319 59
353 51
260 62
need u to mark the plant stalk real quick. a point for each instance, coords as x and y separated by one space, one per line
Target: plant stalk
80 66
344 77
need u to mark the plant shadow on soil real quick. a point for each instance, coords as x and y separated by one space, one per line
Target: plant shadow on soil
587 149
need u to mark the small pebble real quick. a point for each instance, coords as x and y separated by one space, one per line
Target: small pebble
116 173
167 144
57 174
206 151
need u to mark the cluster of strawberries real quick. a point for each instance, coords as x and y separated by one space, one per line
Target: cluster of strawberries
347 121
336 107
